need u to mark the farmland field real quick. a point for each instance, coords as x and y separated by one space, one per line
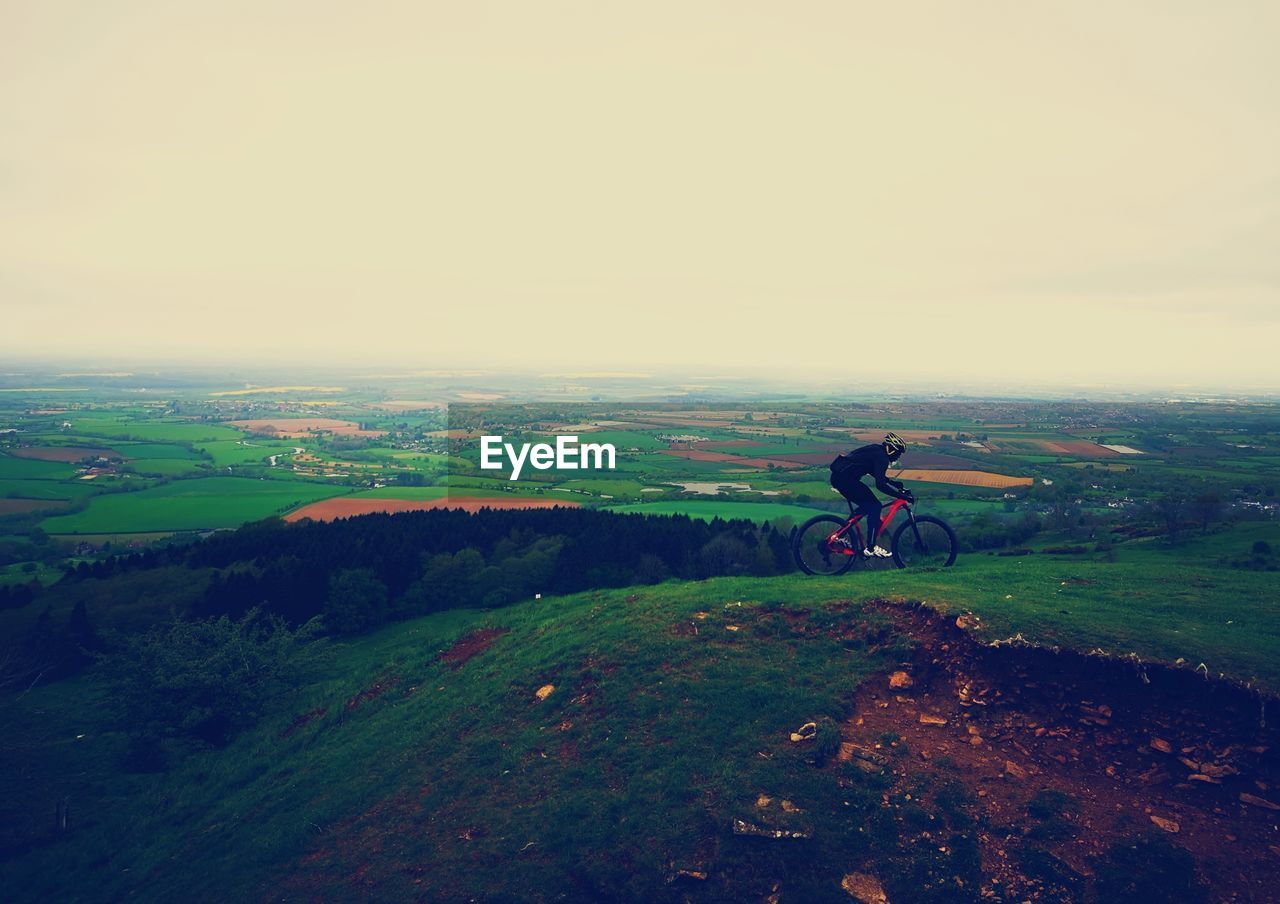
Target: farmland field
1013 466
198 504
348 507
963 478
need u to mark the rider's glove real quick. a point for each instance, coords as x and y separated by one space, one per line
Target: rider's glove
909 496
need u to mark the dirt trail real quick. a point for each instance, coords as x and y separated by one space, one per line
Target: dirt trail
1063 756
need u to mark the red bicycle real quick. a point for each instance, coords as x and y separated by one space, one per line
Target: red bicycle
919 542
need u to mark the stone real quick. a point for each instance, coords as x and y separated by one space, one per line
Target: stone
1167 824
865 888
742 827
926 719
1013 769
804 732
545 691
1162 745
1199 777
900 680
1255 801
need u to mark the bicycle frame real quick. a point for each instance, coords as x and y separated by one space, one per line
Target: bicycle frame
886 515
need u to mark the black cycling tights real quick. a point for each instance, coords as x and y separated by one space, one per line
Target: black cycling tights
864 501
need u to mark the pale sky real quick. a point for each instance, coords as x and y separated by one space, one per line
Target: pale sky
1073 191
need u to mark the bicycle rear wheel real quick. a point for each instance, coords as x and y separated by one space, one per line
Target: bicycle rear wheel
813 553
928 543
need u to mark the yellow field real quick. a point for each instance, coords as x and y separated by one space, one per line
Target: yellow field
964 478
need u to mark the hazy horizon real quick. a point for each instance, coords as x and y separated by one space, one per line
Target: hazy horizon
988 194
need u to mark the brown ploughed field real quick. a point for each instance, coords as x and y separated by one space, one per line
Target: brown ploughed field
331 509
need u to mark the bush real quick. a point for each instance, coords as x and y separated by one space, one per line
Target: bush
202 680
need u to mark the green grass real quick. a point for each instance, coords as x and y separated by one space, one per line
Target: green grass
155 450
651 740
1160 603
655 737
170 467
154 431
398 492
238 453
197 504
46 489
14 468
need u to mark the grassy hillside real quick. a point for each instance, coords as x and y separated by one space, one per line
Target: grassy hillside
394 774
653 736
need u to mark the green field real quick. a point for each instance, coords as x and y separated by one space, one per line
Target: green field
238 453
197 504
143 451
170 467
46 489
147 431
14 468
398 492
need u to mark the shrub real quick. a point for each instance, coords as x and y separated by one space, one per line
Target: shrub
202 680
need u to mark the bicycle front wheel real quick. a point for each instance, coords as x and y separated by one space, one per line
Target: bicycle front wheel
927 542
812 551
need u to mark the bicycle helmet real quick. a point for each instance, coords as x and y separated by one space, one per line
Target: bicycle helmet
894 445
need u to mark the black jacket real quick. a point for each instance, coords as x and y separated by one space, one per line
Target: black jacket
866 460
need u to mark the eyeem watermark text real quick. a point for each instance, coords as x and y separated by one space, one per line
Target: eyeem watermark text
566 455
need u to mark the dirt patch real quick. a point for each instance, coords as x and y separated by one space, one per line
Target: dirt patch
471 644
1061 759
372 692
303 720
331 509
64 453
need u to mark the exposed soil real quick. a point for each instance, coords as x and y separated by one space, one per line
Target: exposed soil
303 720
471 644
372 692
1078 447
965 478
1065 755
330 509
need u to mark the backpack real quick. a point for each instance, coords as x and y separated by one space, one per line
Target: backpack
841 463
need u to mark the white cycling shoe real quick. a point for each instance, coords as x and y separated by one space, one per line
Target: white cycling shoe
877 552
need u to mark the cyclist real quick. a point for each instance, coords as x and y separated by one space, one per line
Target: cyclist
847 472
